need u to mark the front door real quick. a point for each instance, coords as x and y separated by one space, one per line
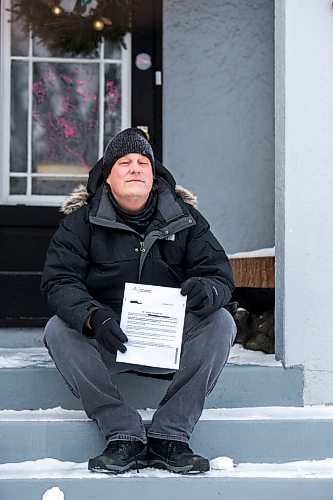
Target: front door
58 112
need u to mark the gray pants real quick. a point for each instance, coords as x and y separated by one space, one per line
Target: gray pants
88 368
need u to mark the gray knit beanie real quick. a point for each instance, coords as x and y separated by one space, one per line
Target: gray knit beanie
130 140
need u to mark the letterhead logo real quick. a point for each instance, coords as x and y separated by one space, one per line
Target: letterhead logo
139 289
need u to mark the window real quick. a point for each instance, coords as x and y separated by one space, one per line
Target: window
57 114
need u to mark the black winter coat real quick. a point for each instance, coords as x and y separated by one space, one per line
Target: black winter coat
92 255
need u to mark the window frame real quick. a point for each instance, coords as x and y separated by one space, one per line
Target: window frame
5 109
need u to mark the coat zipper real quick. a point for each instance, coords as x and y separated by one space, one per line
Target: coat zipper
142 246
143 249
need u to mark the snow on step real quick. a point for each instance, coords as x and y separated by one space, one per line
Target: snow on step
319 412
260 252
54 494
240 356
38 357
220 467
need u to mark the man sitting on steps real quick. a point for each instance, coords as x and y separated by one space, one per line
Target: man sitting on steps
132 224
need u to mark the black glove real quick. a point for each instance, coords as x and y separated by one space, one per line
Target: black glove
232 308
202 296
107 331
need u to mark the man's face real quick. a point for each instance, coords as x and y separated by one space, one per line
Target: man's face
131 180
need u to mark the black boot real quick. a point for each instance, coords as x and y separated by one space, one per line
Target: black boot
119 457
175 456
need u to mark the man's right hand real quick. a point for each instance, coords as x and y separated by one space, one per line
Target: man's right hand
107 331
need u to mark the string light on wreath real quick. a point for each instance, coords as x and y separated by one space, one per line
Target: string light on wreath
57 10
98 25
76 32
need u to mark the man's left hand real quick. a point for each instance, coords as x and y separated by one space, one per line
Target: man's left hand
202 295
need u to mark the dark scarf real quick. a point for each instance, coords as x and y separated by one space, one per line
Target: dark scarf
138 221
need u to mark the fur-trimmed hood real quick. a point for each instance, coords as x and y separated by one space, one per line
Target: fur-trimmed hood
79 196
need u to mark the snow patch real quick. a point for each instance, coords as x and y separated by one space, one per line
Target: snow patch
51 414
24 358
240 356
304 468
54 493
37 357
222 463
320 412
220 467
260 252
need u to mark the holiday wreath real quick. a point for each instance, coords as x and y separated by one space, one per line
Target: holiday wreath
75 32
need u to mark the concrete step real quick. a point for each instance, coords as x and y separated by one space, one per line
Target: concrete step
21 337
29 380
72 481
272 435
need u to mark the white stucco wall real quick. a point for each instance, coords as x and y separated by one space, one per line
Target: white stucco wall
304 190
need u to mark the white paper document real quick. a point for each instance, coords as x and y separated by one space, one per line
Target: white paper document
153 320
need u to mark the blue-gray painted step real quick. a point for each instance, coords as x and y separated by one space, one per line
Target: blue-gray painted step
175 488
29 380
21 337
272 435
